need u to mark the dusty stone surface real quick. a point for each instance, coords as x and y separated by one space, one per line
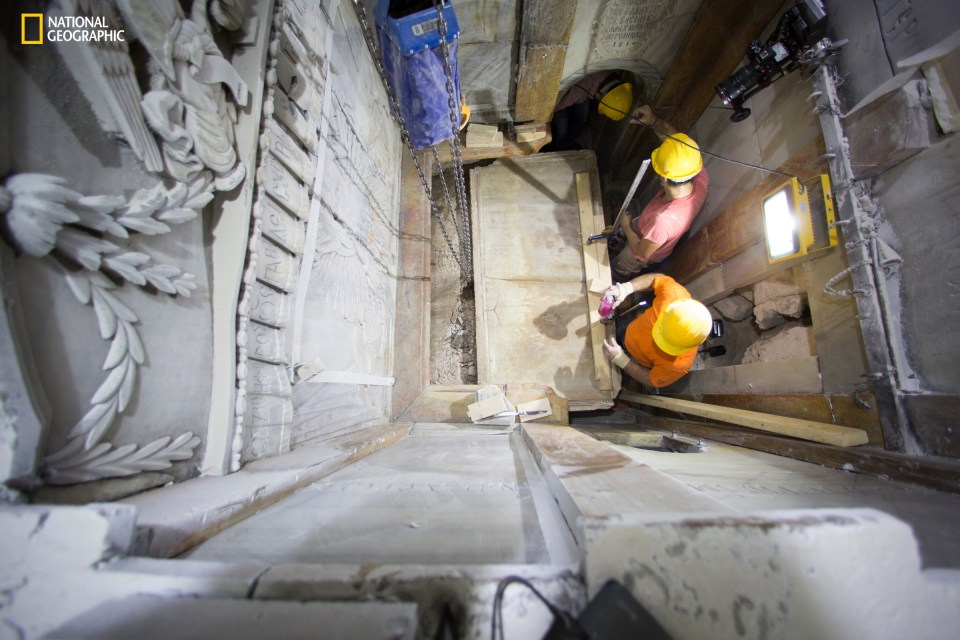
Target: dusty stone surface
777 311
793 341
734 307
782 284
453 358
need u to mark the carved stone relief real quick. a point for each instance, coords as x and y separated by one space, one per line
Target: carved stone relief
288 141
37 210
181 131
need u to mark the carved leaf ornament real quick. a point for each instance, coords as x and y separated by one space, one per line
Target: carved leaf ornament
43 217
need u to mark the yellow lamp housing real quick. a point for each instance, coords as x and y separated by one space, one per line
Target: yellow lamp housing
798 218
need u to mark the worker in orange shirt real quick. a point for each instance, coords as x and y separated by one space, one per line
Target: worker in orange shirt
661 344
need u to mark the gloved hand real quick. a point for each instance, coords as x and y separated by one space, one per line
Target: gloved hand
615 353
619 291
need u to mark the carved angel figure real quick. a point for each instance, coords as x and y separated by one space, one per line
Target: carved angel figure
187 106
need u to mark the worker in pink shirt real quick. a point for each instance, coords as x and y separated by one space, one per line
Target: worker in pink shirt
653 234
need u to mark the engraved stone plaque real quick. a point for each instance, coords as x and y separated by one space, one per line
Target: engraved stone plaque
275 266
281 227
295 81
285 111
284 188
266 343
269 306
267 426
626 28
282 145
269 379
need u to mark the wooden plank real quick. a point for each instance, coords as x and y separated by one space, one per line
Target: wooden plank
479 294
794 427
934 473
544 35
538 81
510 149
591 271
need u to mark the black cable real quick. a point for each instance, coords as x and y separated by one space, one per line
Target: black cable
667 135
497 616
715 155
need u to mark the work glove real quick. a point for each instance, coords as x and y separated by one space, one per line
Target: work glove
615 353
619 291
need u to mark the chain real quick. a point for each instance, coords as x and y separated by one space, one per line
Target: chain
446 193
404 133
467 249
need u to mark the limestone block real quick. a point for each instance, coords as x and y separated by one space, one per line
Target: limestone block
266 343
267 426
282 145
734 307
889 130
275 266
783 283
795 571
269 306
776 311
268 379
283 187
161 618
281 227
794 341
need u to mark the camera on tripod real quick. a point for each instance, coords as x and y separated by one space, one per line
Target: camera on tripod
798 40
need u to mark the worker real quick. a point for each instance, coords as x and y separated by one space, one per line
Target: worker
653 234
609 90
661 344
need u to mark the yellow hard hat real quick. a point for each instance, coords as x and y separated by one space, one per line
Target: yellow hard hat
616 100
682 326
678 158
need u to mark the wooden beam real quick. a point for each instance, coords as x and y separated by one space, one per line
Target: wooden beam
940 474
593 280
804 429
713 48
544 36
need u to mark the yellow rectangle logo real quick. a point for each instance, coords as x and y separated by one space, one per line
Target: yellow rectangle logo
23 28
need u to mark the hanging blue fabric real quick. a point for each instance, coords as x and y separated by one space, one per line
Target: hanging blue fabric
413 60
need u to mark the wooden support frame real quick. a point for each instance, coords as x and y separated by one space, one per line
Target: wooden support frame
934 473
596 273
804 429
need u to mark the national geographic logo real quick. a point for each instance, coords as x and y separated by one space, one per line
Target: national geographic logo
67 29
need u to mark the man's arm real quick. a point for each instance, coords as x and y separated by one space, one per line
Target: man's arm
644 115
615 354
640 283
640 246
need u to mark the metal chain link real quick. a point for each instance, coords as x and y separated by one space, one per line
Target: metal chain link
446 195
404 133
465 237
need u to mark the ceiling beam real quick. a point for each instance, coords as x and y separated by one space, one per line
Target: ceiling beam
712 50
544 36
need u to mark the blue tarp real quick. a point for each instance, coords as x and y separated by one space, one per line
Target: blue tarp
420 81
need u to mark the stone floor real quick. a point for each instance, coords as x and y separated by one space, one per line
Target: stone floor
444 495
